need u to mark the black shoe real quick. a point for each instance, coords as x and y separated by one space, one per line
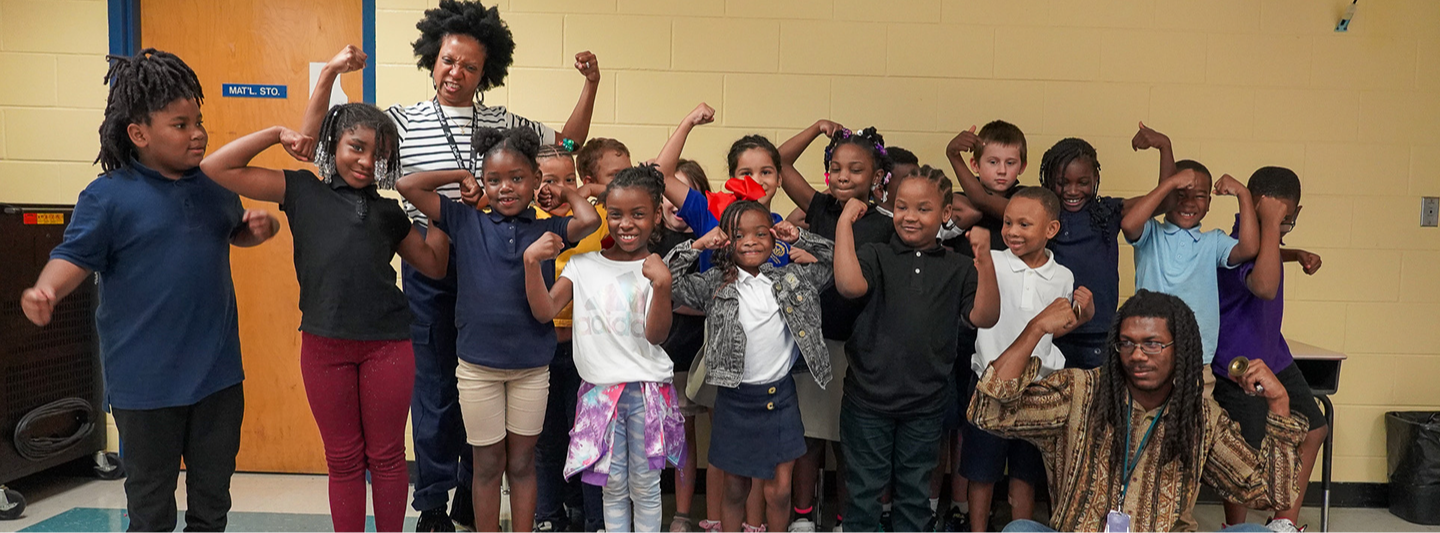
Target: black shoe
462 509
434 520
931 523
887 522
956 522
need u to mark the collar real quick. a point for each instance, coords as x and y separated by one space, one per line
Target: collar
1171 229
899 247
528 214
1147 415
1017 264
338 184
152 173
742 276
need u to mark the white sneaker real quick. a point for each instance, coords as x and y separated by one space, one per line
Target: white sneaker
802 525
1283 525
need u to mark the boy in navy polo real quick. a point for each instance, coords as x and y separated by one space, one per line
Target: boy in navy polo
902 351
1251 306
158 232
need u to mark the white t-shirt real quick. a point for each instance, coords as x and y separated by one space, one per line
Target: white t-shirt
1024 292
612 299
424 146
770 349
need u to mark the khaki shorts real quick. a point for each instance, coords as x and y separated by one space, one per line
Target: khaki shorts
494 401
688 407
820 407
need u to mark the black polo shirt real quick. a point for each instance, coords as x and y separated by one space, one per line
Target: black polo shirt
903 349
345 239
837 313
997 242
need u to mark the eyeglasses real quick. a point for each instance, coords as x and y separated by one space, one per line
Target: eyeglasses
1149 347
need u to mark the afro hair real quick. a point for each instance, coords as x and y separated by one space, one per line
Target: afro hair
467 18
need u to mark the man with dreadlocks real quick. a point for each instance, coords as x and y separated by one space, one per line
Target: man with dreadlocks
1128 444
158 232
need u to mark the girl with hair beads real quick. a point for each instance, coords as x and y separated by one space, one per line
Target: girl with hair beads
759 319
504 351
855 162
1089 227
355 353
627 423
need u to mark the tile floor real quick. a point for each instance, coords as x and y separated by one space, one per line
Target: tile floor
269 502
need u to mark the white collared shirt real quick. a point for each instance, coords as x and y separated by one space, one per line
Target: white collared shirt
770 349
1024 292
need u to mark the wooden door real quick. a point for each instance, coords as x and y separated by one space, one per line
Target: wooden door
262 42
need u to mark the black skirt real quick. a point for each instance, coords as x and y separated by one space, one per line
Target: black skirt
756 428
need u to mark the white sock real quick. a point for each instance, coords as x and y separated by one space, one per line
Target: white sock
934 504
963 507
885 507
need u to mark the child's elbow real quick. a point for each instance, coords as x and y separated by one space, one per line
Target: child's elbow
983 319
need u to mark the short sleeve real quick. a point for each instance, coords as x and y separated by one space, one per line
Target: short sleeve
560 226
546 133
88 238
696 213
396 223
869 258
818 204
298 185
449 209
1223 245
968 280
1147 235
573 267
397 116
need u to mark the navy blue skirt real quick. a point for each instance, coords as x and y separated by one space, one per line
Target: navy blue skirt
755 428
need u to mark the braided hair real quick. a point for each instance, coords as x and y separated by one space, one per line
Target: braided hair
345 118
724 258
935 177
470 18
868 139
140 85
1184 423
1052 168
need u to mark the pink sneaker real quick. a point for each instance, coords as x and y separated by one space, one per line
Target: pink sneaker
710 526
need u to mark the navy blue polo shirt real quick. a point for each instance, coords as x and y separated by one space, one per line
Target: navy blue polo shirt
492 315
169 335
1093 255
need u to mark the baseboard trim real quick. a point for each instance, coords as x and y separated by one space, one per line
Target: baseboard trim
1342 493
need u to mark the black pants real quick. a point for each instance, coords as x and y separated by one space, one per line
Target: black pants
206 435
554 492
885 450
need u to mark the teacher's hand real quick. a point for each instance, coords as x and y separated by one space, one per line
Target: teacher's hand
586 63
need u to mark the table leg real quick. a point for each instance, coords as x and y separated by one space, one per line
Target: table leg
1325 466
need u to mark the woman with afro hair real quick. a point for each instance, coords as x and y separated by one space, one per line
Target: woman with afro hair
467 49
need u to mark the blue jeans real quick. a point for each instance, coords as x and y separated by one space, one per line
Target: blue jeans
1031 526
632 483
555 493
885 450
442 457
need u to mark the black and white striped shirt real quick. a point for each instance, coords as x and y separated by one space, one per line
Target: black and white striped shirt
423 145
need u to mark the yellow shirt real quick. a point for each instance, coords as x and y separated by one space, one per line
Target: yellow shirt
586 245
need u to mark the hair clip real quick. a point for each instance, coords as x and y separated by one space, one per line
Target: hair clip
827 179
569 145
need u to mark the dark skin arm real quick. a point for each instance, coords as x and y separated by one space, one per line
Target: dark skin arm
545 303
675 188
428 253
1264 279
791 180
659 316
577 127
419 189
1249 229
57 280
1133 223
850 281
1055 318
986 309
350 59
1145 139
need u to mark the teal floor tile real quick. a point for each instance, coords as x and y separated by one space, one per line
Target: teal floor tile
92 519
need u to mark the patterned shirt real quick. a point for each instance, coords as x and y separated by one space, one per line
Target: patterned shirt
1054 414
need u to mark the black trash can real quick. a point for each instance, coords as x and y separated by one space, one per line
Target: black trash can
1412 445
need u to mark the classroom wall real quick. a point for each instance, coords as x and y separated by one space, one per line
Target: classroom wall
1237 84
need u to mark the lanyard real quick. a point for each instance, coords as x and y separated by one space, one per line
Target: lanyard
1129 468
450 138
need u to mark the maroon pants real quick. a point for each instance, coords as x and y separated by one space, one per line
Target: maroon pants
359 392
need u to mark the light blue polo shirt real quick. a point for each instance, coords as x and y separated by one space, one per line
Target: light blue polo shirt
1183 263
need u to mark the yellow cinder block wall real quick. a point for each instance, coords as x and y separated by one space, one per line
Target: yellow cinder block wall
1236 83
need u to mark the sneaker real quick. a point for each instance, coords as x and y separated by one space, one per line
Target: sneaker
802 525
710 526
462 509
747 528
434 520
931 523
680 524
547 526
1283 525
957 521
887 521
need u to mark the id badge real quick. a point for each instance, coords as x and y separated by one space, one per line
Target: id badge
1117 522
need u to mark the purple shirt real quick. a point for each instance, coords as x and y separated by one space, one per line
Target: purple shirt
1249 325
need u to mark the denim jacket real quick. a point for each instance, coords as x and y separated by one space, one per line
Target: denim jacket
797 289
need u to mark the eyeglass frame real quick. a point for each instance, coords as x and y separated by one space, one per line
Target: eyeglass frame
1120 347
